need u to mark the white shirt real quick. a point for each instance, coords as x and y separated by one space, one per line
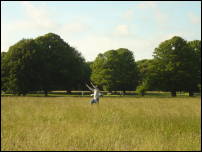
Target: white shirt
96 91
96 94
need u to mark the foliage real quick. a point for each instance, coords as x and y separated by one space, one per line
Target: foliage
115 70
18 67
45 63
49 63
141 89
174 66
195 46
145 69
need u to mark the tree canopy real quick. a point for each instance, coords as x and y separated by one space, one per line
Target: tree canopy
45 63
175 66
49 63
115 70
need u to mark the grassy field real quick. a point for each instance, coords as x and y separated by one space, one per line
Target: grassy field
117 123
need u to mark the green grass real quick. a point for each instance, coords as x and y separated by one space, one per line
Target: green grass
71 123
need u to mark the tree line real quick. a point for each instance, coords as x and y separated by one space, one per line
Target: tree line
49 63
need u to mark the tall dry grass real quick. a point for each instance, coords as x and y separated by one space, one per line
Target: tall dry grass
67 123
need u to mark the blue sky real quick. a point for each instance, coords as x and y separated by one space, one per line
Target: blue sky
98 26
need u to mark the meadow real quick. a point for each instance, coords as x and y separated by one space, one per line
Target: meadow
117 123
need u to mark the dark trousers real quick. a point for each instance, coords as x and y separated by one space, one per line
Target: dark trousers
95 101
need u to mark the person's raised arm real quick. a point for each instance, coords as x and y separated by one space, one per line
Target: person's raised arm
92 84
89 87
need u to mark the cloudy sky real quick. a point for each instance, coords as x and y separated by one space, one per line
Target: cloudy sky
95 27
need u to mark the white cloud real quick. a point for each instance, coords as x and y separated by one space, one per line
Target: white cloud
92 45
194 18
129 14
38 21
161 17
74 28
147 4
38 17
7 39
122 30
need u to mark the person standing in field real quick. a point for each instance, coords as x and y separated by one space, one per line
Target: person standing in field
96 93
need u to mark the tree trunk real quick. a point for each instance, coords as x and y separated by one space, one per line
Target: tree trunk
173 93
109 92
191 94
46 93
68 91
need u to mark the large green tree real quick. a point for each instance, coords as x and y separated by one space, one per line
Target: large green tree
45 63
86 75
174 66
195 46
3 71
62 66
115 70
18 67
144 68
